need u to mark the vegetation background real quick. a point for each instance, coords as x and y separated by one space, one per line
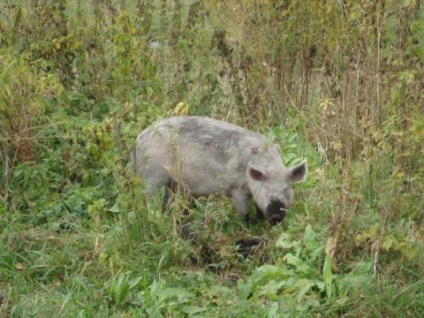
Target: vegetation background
340 83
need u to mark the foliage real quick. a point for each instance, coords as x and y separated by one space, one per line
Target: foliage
337 82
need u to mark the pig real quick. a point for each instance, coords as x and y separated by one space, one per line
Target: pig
205 156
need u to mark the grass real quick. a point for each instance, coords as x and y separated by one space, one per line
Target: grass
137 268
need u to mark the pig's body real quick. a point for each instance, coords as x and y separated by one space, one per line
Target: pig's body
207 156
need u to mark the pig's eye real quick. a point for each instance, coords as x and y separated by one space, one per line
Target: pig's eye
286 193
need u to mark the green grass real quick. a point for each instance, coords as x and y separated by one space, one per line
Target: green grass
48 273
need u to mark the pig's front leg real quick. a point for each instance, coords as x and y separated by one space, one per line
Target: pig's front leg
240 201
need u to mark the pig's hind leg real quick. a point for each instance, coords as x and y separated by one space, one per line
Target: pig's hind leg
157 180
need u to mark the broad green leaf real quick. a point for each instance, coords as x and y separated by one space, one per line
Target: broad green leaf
114 208
191 310
293 260
328 276
305 286
310 238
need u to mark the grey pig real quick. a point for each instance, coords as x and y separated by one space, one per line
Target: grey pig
208 156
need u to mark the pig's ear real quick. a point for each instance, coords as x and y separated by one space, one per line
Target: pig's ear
298 172
256 174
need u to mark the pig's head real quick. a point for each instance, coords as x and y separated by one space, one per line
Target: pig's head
270 187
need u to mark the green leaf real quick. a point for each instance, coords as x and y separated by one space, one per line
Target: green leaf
310 239
245 288
272 289
191 310
328 276
306 286
115 208
284 241
293 260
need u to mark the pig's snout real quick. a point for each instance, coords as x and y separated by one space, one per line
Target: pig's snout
276 212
